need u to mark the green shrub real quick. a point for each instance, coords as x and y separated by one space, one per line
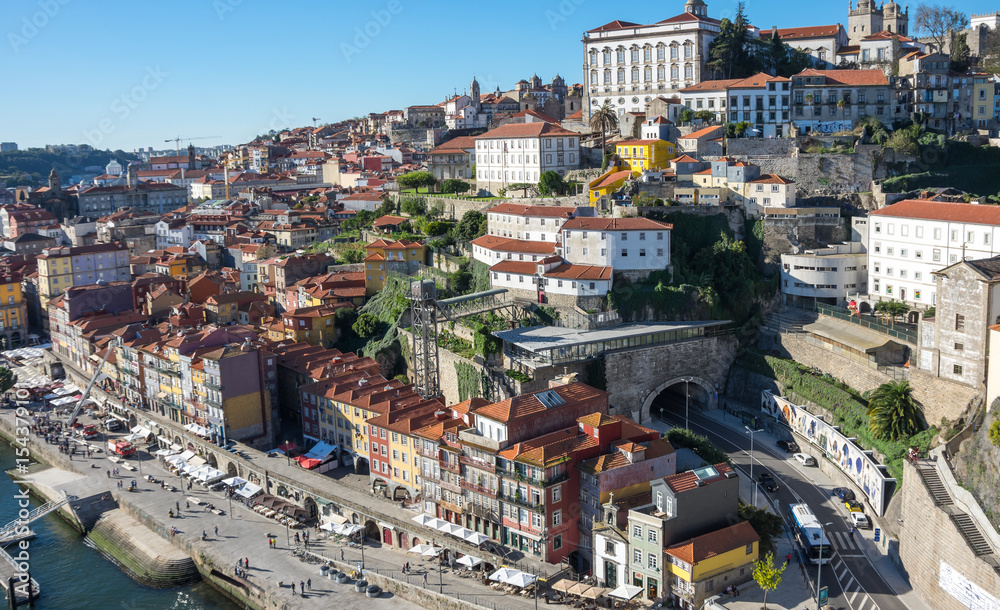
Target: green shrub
518 376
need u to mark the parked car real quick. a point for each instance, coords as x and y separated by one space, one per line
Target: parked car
854 506
805 460
114 425
788 446
768 482
859 520
843 493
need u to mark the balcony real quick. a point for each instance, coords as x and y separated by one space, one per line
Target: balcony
471 437
521 501
476 488
483 513
455 508
450 466
483 465
212 386
450 486
428 453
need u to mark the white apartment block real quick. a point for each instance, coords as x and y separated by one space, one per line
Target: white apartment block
629 64
826 275
491 249
624 244
909 240
522 152
531 222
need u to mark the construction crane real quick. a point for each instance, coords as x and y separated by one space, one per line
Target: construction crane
314 122
98 375
177 141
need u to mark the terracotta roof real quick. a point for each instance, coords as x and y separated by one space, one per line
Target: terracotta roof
547 211
816 31
526 130
388 221
887 35
714 543
536 114
848 77
617 24
772 179
711 85
615 177
688 480
596 420
527 404
518 267
758 81
701 133
925 209
616 224
686 159
580 272
461 144
506 244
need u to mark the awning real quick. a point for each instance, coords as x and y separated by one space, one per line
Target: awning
521 580
503 574
562 585
469 561
249 490
187 455
196 461
234 482
475 538
423 519
165 452
594 592
161 395
338 519
626 592
323 501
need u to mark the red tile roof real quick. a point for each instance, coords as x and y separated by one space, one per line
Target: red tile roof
687 17
686 159
702 133
714 543
772 179
547 211
616 224
518 267
389 221
617 24
711 85
460 144
816 31
615 177
848 77
527 404
579 272
758 81
506 244
686 481
942 210
526 130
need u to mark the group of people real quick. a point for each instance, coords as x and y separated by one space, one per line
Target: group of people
302 586
733 591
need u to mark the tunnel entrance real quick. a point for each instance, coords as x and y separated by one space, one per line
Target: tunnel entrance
675 397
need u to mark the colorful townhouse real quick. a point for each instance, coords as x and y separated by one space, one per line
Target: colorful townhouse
384 255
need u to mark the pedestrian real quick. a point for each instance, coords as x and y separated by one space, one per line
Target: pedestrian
309 583
302 588
178 505
341 554
425 579
788 558
109 474
293 588
246 563
187 505
216 531
850 532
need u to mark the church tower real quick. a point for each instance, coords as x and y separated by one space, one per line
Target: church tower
696 7
131 178
863 21
55 183
895 19
191 160
474 94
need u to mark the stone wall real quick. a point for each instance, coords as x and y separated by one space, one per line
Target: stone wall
858 376
929 538
446 367
761 146
941 398
634 374
831 173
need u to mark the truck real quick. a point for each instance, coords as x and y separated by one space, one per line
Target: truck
88 431
120 448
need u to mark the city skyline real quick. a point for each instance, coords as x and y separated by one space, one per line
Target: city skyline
199 71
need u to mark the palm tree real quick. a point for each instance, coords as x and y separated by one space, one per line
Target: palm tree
893 413
603 119
842 104
809 101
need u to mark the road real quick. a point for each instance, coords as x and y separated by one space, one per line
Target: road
853 583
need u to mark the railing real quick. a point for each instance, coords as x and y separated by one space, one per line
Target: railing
450 486
450 467
845 315
522 502
896 372
479 489
471 461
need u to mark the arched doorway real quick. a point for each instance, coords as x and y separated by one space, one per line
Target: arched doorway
133 421
415 541
15 339
386 536
676 397
371 530
310 505
403 541
231 469
177 440
214 463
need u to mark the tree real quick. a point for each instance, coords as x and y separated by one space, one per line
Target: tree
388 207
842 104
453 185
551 183
686 115
704 115
603 120
472 225
416 180
938 22
767 575
266 251
959 52
7 379
729 54
893 413
414 206
435 228
767 525
366 325
994 433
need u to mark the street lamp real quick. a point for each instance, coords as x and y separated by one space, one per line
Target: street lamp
752 480
819 563
288 460
363 548
687 400
440 570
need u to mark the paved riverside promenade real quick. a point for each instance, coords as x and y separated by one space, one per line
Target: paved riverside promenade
244 535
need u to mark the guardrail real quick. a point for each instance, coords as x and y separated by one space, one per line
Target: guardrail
890 370
845 315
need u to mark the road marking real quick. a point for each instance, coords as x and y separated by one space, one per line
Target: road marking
851 599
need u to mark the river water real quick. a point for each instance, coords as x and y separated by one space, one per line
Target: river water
74 575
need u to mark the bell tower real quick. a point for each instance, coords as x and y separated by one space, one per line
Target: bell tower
474 93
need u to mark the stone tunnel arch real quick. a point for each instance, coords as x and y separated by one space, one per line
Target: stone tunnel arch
311 509
231 469
704 396
214 463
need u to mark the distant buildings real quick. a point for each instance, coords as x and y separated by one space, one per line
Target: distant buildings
521 153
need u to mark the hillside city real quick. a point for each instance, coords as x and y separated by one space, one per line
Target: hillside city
707 328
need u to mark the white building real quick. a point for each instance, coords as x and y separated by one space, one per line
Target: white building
708 95
491 249
909 240
628 64
768 191
624 244
552 280
763 100
522 152
531 222
820 42
827 275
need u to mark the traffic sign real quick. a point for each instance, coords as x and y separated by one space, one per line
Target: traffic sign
878 534
824 597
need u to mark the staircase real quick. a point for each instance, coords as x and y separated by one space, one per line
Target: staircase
963 522
9 530
787 320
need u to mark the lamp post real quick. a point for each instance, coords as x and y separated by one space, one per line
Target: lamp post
440 570
288 460
752 480
819 563
687 401
362 548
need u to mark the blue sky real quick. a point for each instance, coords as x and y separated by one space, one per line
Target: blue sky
119 74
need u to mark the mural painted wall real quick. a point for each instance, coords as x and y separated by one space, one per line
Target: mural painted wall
854 461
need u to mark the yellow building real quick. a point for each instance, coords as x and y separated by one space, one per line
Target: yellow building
313 325
983 100
701 567
385 255
643 155
394 444
607 184
13 312
64 267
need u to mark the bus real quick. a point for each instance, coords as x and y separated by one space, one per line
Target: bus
810 534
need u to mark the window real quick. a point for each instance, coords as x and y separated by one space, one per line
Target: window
750 549
936 255
624 252
956 369
959 347
637 531
557 542
556 517
651 562
959 323
651 536
557 494
637 556
609 547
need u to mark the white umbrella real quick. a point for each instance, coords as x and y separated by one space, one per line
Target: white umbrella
418 549
423 518
455 530
502 574
475 538
348 529
521 579
469 561
626 592
327 527
437 523
432 551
